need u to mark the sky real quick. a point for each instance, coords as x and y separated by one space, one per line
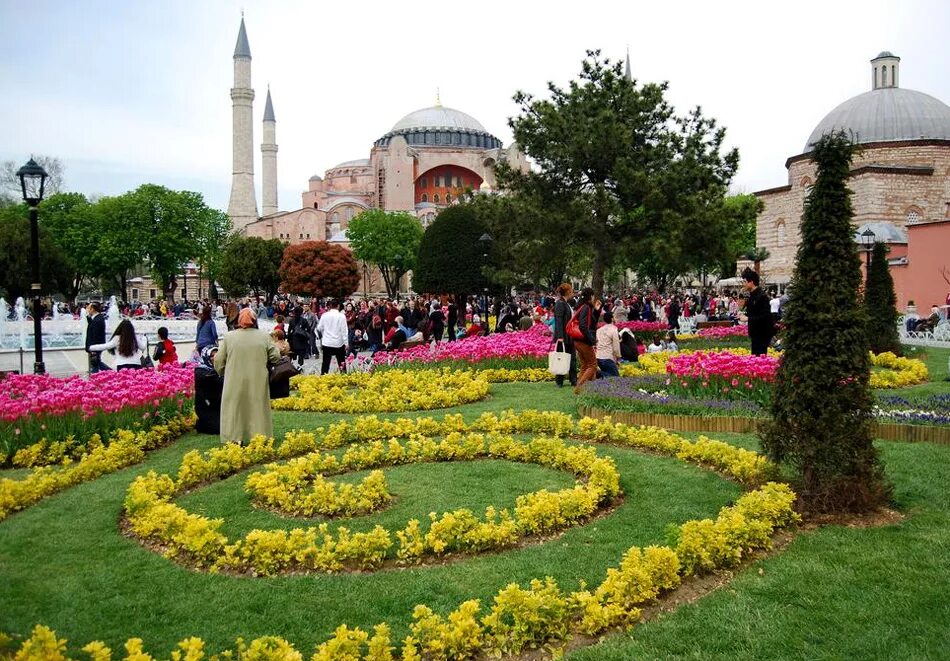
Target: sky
127 92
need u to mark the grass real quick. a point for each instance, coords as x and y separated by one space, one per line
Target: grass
833 593
65 565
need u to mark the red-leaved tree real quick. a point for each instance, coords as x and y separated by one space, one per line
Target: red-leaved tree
318 268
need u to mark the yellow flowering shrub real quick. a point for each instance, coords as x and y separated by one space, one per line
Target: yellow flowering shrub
527 619
896 372
389 390
524 375
282 490
124 449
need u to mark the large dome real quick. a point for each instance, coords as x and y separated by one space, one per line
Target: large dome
441 127
438 117
885 115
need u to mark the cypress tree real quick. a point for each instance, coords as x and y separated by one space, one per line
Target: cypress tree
821 403
880 302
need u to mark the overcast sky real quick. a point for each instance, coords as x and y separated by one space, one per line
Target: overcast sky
131 92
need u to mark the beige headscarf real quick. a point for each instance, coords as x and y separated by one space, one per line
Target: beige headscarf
247 318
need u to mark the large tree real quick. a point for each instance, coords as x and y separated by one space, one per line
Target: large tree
120 248
74 225
251 264
15 265
388 239
318 268
880 303
821 404
212 238
451 258
617 148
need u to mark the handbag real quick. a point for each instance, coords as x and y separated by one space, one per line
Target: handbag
573 328
559 362
283 369
146 361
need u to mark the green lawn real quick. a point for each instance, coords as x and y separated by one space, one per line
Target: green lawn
834 593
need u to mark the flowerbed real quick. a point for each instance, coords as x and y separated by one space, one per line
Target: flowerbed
892 371
125 447
74 410
649 394
725 374
724 331
535 342
540 614
386 391
152 515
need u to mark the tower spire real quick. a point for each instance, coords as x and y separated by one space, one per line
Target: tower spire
627 74
242 207
269 160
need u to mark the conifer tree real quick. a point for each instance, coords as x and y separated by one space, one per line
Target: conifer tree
881 304
821 404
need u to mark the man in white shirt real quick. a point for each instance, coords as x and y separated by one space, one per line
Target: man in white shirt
333 336
775 306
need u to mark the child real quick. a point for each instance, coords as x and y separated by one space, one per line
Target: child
671 342
165 353
655 346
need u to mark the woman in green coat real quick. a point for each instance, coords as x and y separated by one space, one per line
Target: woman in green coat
245 403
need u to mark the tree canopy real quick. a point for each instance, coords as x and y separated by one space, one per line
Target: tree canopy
251 264
636 173
388 239
318 268
15 265
880 303
451 258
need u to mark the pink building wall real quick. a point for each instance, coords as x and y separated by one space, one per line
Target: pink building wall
922 278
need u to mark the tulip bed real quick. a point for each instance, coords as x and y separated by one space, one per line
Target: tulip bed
58 417
722 373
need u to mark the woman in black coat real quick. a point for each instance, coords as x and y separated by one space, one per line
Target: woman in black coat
298 334
562 341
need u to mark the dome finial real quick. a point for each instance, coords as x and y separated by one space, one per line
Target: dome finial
438 99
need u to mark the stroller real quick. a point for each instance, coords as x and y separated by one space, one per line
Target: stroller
208 388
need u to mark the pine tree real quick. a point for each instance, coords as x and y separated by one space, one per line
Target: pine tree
821 404
880 302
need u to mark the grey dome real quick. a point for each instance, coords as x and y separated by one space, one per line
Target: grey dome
886 115
438 117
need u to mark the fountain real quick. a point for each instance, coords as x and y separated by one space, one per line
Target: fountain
113 315
20 308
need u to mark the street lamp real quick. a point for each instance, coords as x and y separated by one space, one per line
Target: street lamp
868 237
32 182
398 261
485 241
365 281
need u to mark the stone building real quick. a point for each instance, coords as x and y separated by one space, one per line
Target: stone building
428 158
901 177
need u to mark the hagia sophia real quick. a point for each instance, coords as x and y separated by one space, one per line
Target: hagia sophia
900 178
428 158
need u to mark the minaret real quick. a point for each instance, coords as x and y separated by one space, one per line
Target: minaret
269 160
243 205
626 72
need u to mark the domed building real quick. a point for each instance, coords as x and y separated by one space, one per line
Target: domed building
900 182
424 163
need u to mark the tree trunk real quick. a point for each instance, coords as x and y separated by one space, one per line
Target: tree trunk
597 277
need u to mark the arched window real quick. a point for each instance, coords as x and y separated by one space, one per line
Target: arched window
913 216
780 235
806 182
435 198
883 76
425 198
349 213
448 198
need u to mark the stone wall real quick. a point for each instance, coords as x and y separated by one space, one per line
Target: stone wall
889 182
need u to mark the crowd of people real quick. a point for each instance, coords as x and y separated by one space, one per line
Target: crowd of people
233 367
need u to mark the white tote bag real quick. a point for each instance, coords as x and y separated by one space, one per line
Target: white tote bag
559 362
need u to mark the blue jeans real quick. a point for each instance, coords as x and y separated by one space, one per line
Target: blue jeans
607 367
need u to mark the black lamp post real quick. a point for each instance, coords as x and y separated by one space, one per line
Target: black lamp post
32 182
868 237
485 240
398 262
365 281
